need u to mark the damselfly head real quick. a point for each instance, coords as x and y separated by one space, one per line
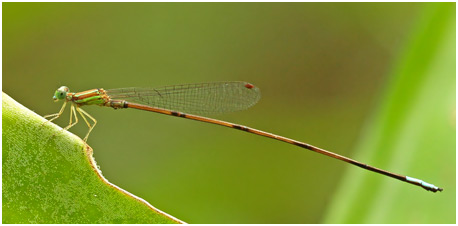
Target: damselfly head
61 93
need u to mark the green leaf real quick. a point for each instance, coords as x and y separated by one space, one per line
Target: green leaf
49 176
412 133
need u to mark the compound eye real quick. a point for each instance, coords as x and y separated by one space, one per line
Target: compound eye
61 93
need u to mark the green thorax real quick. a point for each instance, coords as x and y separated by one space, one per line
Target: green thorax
89 97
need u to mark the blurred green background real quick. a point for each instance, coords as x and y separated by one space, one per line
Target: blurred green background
372 81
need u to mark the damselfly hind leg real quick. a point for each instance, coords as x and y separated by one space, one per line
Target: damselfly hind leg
82 113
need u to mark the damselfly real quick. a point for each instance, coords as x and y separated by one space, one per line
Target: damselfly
189 101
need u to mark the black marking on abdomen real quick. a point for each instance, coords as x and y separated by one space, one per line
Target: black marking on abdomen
239 127
118 104
362 165
302 145
178 114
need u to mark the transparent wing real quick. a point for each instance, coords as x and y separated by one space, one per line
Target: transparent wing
200 98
